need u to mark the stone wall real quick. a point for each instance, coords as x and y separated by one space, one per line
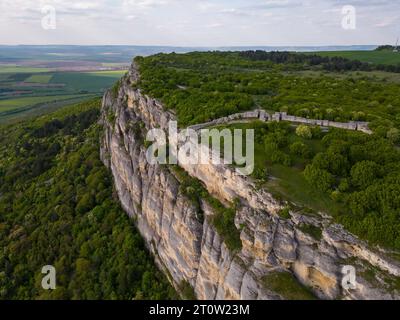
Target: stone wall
264 116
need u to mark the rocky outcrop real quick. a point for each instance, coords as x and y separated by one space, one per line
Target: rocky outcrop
190 250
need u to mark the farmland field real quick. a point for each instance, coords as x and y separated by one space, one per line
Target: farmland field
39 78
113 73
92 82
14 104
30 91
17 69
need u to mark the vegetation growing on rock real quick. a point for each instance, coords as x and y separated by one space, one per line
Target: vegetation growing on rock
286 285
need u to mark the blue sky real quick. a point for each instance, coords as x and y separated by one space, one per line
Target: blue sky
200 22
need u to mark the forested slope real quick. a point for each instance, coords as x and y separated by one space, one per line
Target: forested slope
57 207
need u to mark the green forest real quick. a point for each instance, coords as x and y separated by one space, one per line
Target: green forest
58 207
202 86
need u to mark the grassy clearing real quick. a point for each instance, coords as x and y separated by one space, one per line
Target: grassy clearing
91 82
39 78
112 73
290 184
12 104
12 69
113 64
377 57
286 285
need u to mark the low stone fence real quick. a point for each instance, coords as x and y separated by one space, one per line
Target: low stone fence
264 116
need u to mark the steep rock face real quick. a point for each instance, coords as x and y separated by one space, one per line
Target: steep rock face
190 250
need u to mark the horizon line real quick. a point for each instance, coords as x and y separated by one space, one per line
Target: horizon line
189 46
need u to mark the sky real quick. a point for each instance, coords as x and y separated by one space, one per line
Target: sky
201 22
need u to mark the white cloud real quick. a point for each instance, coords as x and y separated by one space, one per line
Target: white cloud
141 4
387 21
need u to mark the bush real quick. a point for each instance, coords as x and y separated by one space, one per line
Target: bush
316 132
187 291
312 231
336 196
286 285
344 185
393 135
304 131
115 89
300 149
364 174
261 174
284 213
224 222
318 178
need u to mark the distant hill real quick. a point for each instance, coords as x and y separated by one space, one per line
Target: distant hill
28 54
381 56
386 48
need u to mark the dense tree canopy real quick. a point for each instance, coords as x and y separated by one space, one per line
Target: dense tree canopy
57 208
327 63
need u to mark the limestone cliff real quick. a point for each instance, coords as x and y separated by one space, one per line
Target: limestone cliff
190 250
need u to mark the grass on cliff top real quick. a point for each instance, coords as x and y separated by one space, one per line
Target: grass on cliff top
287 286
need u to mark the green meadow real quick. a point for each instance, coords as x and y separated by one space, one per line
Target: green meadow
14 104
16 69
82 81
39 78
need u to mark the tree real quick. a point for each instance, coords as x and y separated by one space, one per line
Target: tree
364 173
393 135
320 179
316 132
85 204
300 149
304 131
344 185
